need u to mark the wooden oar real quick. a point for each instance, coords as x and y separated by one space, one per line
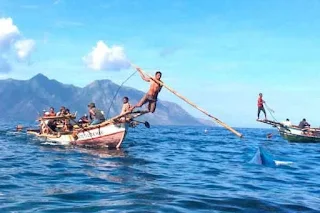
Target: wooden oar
192 104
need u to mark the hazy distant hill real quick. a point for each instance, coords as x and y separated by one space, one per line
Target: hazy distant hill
23 100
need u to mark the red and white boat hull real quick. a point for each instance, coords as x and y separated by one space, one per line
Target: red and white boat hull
110 136
110 133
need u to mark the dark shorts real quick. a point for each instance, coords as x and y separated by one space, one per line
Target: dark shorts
151 100
261 109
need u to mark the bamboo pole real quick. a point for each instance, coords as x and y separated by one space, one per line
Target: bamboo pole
192 104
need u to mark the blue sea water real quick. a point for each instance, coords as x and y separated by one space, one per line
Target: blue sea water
161 169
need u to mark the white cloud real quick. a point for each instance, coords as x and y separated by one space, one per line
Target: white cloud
106 58
24 48
12 43
8 33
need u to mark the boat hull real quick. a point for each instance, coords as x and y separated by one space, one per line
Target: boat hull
298 135
110 136
299 138
294 133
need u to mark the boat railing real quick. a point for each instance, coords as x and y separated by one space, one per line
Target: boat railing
129 116
60 117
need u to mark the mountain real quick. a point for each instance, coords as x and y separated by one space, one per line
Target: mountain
23 100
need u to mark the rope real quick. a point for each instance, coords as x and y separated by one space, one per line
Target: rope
271 111
118 91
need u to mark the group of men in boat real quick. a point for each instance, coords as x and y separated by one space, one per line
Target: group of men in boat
51 113
96 115
48 125
302 125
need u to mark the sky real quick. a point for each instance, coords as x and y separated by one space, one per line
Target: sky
218 54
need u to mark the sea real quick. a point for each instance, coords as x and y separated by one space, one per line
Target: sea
160 169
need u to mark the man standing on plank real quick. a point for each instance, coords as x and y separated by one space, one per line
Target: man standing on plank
152 95
261 107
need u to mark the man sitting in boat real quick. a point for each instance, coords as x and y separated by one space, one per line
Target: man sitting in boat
47 125
287 123
62 111
84 119
304 124
95 114
44 123
51 112
66 122
151 96
45 113
67 112
125 108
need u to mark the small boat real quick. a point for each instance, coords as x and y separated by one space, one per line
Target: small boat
294 133
109 133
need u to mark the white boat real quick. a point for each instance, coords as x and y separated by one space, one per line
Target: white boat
109 133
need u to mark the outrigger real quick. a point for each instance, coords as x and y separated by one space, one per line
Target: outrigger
109 133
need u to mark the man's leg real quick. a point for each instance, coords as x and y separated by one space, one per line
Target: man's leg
143 100
95 122
152 106
259 109
265 114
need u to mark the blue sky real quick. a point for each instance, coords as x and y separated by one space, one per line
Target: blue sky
219 54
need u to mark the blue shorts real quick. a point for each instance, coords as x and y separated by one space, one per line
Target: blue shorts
96 121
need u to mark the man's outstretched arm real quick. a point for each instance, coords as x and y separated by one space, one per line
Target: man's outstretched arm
145 78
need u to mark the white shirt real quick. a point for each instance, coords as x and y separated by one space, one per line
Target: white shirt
287 123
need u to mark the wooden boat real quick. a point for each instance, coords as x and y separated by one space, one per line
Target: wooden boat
294 133
109 133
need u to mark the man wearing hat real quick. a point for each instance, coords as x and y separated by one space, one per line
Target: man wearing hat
95 114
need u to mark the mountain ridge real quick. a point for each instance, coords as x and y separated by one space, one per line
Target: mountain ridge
27 98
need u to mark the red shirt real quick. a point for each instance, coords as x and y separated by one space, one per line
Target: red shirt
260 102
51 114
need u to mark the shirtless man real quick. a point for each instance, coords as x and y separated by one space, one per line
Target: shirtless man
152 95
126 106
